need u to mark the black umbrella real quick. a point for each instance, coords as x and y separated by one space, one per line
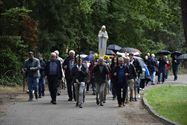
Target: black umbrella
140 60
177 53
183 57
114 47
110 52
164 52
130 50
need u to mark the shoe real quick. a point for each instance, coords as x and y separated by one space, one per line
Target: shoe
39 96
27 91
123 104
104 101
138 96
135 99
131 99
119 105
77 104
69 99
101 104
97 101
114 98
58 94
53 102
30 100
80 106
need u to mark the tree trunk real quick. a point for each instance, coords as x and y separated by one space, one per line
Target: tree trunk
184 18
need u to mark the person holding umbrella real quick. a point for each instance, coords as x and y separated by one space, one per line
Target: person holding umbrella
175 66
161 68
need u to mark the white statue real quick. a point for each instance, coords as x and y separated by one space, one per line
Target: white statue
103 37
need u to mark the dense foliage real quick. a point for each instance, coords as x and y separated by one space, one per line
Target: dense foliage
46 25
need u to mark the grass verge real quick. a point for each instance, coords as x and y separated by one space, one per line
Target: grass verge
169 101
10 90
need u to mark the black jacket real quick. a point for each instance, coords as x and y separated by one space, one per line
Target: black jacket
131 71
80 75
67 70
99 76
59 69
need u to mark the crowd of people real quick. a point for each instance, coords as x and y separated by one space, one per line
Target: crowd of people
124 77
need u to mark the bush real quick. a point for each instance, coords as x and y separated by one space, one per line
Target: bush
12 52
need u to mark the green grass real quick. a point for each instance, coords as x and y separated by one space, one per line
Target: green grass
169 101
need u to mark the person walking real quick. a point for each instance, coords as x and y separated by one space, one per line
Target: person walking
139 72
31 67
131 77
79 73
152 68
68 64
161 69
53 72
113 78
41 87
91 76
175 66
121 72
60 83
100 74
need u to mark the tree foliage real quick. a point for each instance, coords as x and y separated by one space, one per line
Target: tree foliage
43 25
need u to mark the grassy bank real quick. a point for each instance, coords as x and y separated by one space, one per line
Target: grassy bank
10 90
170 101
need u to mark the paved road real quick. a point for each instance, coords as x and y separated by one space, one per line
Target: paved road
41 112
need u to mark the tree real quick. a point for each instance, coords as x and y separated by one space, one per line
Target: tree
184 17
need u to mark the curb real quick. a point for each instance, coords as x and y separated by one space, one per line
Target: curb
161 118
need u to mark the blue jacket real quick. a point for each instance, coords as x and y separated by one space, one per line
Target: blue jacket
118 82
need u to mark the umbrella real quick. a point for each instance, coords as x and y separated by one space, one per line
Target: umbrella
130 50
122 54
114 47
183 57
89 57
82 56
177 53
140 60
164 52
109 52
